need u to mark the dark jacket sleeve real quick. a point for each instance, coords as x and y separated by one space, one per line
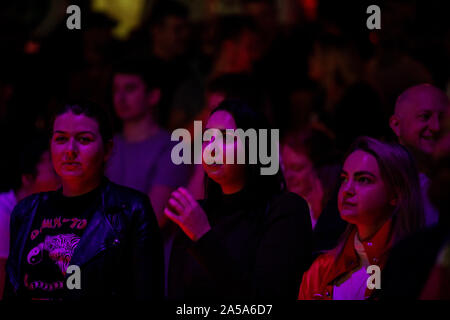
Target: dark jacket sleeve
283 254
18 218
147 255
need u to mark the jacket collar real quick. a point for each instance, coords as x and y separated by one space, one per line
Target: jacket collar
376 248
98 234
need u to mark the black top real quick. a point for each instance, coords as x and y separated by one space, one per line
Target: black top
249 253
410 263
56 231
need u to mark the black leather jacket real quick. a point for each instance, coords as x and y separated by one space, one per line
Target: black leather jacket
120 253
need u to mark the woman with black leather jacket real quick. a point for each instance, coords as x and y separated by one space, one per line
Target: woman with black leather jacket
91 238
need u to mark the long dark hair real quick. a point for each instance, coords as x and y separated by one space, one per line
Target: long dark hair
258 188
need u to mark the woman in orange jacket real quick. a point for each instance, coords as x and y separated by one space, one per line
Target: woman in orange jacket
380 198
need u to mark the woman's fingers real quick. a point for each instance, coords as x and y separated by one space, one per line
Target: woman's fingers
181 198
187 195
171 215
176 206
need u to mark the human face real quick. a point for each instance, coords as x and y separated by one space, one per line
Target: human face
229 176
77 149
46 178
419 128
172 36
299 172
130 97
363 198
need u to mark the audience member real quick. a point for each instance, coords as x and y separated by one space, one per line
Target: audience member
108 231
249 239
380 199
141 155
417 122
35 174
311 167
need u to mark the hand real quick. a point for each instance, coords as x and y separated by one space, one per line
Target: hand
187 214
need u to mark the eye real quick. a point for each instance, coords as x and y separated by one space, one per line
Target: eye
424 116
343 178
85 140
364 180
60 139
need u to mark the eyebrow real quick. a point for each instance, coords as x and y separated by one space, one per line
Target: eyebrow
78 133
360 173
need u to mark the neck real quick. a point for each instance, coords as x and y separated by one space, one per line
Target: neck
21 193
140 129
73 188
366 232
234 188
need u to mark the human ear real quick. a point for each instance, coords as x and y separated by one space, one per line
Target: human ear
394 123
154 96
27 180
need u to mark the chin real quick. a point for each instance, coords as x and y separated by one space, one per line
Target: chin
70 175
428 150
349 216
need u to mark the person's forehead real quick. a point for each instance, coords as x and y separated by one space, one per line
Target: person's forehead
221 120
292 153
126 77
430 103
73 123
426 99
361 161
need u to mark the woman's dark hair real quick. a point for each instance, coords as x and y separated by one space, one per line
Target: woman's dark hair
91 110
257 186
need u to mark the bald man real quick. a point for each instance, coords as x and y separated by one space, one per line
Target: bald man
417 122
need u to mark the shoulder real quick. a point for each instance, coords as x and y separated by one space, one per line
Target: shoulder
314 277
322 263
288 203
291 211
122 195
24 207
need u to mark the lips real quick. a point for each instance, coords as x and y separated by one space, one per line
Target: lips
348 204
71 165
429 138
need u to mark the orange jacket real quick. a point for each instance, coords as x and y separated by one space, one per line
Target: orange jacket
318 281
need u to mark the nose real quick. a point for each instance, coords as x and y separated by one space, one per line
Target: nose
119 96
71 150
348 188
